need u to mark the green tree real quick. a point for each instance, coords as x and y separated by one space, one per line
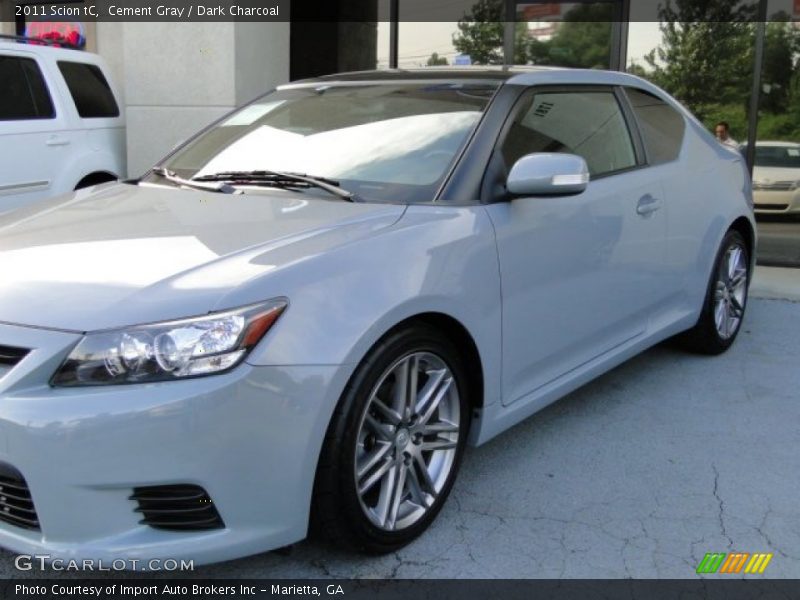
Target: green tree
779 109
480 34
706 58
435 60
781 48
636 69
582 40
704 63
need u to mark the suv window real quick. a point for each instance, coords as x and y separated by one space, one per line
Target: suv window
89 89
587 123
25 94
661 125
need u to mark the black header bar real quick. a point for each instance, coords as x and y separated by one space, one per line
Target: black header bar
405 10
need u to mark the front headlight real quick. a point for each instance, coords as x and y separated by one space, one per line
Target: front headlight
167 351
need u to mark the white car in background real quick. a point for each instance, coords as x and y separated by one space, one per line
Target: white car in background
776 178
61 125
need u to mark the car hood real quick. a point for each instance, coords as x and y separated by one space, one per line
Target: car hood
123 254
775 174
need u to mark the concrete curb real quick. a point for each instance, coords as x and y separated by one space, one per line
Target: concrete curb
776 283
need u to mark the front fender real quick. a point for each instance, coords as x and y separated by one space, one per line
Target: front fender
439 259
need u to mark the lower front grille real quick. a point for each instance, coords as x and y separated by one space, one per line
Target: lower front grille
763 206
16 504
777 186
9 357
181 507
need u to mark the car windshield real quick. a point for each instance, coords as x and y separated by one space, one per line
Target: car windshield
778 156
385 141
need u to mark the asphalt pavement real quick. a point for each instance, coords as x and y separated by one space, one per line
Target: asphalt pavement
638 474
779 241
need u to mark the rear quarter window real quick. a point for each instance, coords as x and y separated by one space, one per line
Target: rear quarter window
662 127
89 89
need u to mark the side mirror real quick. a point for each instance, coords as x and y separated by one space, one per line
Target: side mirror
548 174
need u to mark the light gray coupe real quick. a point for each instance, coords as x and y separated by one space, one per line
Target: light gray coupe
301 317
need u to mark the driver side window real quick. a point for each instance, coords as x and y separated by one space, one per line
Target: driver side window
587 123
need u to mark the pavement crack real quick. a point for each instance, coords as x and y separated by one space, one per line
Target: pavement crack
721 507
564 554
772 545
320 564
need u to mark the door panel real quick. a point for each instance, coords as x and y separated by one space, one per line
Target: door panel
579 277
31 126
580 274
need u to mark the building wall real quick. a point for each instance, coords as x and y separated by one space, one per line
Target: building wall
7 25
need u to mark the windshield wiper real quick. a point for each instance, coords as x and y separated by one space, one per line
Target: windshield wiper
281 179
222 187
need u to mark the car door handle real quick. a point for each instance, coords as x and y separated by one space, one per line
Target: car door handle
648 205
57 140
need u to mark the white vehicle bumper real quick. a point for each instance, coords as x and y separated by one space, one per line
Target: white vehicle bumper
776 201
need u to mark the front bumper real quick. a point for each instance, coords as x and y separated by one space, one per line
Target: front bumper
250 438
776 201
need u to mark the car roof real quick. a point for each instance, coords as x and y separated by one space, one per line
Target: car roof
52 51
480 72
511 75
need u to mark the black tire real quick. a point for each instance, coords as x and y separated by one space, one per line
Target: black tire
705 337
337 512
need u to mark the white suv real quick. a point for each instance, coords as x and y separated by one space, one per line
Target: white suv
61 126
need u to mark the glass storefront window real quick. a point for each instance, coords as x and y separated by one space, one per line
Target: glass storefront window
779 105
776 168
353 43
569 34
644 37
566 34
456 32
707 65
424 44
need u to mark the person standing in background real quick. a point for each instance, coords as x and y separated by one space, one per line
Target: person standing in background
722 131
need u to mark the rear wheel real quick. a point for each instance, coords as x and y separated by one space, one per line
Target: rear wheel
726 299
94 179
394 445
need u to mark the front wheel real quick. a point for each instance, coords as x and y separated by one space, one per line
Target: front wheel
394 445
725 301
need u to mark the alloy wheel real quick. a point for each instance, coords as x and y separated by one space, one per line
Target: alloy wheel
407 441
730 293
